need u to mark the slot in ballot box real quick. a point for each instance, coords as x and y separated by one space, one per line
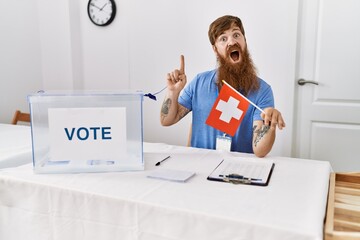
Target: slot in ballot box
86 131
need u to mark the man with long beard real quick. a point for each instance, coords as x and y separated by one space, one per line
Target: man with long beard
256 133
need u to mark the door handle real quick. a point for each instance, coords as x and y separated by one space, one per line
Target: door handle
302 82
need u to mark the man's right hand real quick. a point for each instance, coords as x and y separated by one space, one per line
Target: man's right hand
176 80
171 110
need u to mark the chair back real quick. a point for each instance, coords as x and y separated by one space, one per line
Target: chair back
20 117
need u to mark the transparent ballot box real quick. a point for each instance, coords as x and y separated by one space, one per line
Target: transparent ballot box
86 131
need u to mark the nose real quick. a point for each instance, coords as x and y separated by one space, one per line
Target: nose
231 41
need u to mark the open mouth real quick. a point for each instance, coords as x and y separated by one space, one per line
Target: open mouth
235 55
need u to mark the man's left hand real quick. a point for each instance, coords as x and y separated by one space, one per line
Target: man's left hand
273 118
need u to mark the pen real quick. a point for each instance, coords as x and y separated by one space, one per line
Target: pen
158 163
239 177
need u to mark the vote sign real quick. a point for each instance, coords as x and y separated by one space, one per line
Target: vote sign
87 133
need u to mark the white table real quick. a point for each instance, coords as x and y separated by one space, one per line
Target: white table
15 145
128 205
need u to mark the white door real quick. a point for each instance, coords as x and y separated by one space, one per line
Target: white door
328 114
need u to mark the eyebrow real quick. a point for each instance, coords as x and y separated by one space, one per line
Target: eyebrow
236 29
233 30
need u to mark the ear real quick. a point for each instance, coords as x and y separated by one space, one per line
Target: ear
214 48
215 51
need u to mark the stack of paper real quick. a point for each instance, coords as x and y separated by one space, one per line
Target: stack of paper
171 175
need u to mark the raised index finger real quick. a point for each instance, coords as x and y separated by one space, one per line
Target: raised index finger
182 64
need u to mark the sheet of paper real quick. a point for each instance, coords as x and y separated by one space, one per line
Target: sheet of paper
87 133
171 175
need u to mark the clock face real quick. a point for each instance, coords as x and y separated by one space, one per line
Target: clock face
101 12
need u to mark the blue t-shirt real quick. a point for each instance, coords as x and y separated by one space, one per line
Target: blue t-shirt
199 97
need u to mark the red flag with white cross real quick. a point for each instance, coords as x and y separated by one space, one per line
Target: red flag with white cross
228 110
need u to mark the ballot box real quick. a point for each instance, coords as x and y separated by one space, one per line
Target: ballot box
86 131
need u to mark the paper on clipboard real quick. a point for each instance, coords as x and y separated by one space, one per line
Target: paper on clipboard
245 171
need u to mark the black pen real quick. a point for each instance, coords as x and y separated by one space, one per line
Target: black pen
158 163
236 176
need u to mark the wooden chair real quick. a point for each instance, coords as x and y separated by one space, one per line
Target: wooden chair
20 117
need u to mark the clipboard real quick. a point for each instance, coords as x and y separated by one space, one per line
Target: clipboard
243 171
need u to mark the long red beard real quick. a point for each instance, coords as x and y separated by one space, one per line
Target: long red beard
241 76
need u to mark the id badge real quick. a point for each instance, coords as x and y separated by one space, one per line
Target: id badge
223 142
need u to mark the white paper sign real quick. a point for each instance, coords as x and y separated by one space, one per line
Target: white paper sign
87 133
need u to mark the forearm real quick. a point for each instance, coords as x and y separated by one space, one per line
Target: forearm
171 110
264 131
263 139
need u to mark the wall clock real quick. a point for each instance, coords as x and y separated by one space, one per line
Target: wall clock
101 12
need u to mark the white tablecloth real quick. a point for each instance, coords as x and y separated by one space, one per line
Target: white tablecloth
128 205
15 145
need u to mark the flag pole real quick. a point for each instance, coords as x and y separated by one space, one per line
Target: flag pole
243 96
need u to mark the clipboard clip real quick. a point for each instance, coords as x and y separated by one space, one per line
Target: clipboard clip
239 179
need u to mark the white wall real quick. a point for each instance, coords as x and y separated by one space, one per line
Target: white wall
20 60
144 43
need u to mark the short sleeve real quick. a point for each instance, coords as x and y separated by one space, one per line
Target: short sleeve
264 100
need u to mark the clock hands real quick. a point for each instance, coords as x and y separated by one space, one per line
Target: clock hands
103 6
100 9
93 4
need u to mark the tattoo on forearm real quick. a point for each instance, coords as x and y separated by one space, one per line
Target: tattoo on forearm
260 133
182 112
166 106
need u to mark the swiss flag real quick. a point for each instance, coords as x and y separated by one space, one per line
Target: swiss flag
228 111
